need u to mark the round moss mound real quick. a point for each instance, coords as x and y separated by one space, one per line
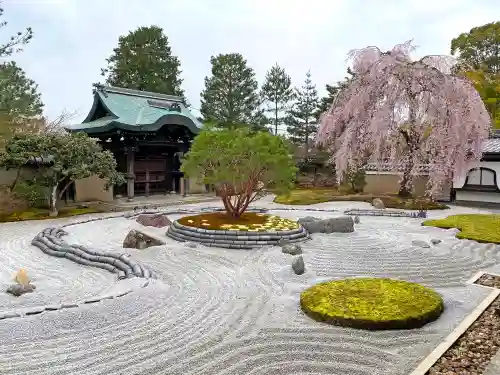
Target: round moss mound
248 221
372 303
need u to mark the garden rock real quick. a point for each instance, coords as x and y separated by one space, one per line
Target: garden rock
139 240
377 203
19 289
436 241
157 221
356 219
298 265
308 219
420 243
291 248
344 224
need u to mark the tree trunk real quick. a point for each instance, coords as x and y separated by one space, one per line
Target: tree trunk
276 119
53 202
405 190
16 180
63 190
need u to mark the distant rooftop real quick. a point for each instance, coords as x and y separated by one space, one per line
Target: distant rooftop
116 108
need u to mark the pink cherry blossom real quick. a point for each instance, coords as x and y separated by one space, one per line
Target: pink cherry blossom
406 113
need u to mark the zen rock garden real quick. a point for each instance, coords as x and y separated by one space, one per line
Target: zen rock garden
272 277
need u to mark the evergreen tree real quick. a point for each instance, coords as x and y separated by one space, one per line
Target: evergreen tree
277 92
19 96
16 41
230 97
332 91
143 61
302 124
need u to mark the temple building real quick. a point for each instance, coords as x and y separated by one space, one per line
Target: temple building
147 133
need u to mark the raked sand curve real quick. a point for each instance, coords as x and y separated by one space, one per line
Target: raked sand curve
222 311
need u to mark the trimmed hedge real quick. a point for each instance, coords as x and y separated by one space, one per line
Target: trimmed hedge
372 303
477 227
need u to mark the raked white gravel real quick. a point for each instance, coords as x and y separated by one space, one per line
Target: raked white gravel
220 311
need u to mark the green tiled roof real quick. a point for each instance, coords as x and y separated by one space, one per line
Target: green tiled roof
133 110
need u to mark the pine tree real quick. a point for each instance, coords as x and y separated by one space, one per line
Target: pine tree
19 96
230 97
143 61
332 91
277 92
302 124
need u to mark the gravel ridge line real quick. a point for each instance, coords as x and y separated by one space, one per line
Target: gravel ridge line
36 310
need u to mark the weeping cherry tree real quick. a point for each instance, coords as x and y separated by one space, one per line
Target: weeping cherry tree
405 114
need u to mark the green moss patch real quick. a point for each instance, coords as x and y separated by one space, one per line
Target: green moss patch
372 303
477 227
41 214
313 196
248 221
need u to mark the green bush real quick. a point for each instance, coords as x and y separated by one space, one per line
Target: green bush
372 303
34 193
356 180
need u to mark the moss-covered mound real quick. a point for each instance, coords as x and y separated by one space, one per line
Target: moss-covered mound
42 214
373 304
477 227
248 221
321 195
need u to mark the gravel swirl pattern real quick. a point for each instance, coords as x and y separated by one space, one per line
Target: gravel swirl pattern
223 311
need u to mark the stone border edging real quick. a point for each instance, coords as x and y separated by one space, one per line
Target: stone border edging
433 357
234 239
65 305
265 210
49 241
381 212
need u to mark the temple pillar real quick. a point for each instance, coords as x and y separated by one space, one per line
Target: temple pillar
130 152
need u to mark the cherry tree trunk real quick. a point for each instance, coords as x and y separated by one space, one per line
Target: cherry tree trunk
405 187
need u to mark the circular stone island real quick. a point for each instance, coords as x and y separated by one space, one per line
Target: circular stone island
373 304
249 230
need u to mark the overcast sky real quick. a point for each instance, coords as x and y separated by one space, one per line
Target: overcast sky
72 38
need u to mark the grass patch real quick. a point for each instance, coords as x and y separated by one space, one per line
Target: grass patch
313 196
248 221
477 227
372 303
41 214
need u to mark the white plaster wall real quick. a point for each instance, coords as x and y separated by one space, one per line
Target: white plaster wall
459 181
478 196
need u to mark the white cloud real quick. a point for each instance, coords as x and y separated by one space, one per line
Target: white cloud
74 37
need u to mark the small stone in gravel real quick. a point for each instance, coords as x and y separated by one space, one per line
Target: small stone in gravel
377 203
291 248
138 240
18 289
192 245
420 243
356 219
435 241
298 265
